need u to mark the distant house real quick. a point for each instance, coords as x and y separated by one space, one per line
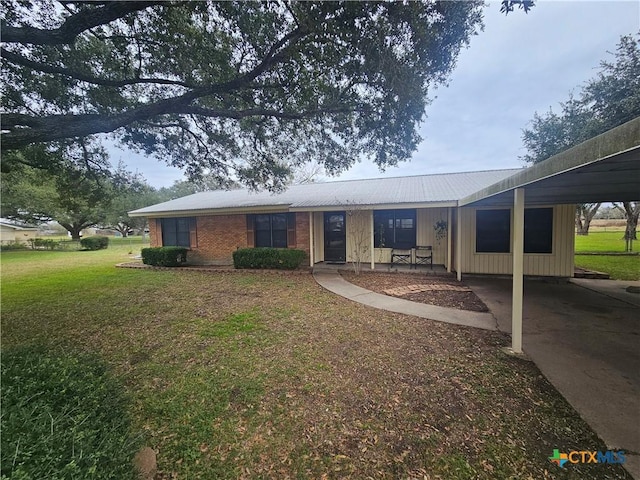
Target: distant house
16 232
327 219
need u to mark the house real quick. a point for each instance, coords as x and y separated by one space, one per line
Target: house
340 221
497 222
16 232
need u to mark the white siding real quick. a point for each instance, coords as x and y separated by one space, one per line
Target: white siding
359 235
318 237
559 263
426 234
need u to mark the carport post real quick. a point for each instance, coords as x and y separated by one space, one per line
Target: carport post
518 264
459 245
449 239
373 261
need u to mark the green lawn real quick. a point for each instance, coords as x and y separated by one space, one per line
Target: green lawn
256 375
619 267
603 242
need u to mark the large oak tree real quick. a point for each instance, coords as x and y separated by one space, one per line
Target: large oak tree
609 99
241 89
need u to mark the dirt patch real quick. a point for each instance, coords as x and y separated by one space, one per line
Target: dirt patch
432 290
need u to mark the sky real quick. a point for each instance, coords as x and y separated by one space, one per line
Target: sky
520 64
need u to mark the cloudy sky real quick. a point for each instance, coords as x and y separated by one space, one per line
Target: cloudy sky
520 64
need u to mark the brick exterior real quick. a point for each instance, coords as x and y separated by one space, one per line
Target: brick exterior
218 236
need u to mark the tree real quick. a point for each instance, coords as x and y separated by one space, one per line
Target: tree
130 192
584 214
631 212
69 195
230 88
609 99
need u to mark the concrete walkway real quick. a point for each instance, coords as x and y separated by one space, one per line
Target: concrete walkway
333 281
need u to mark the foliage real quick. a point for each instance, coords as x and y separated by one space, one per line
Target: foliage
270 258
441 228
94 243
14 245
230 87
63 416
508 6
609 99
45 243
164 256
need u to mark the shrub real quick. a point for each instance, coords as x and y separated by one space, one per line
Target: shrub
94 243
63 416
164 256
46 243
262 257
14 245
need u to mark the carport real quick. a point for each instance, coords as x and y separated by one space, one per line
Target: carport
605 168
585 341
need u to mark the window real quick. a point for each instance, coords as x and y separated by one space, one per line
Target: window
271 230
176 231
538 230
493 230
394 228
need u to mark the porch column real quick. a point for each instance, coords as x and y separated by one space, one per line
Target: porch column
449 239
459 245
373 261
311 246
518 266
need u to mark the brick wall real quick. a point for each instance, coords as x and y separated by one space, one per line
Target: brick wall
218 236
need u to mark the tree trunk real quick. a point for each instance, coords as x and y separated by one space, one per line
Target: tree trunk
584 214
631 213
75 232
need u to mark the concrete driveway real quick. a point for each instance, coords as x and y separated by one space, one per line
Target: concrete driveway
585 337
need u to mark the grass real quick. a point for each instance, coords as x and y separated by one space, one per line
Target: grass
621 267
256 375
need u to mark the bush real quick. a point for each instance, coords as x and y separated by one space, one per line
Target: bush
46 243
277 258
63 416
14 245
164 256
94 243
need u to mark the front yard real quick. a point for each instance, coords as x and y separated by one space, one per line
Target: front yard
256 375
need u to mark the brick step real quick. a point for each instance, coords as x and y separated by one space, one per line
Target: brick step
592 274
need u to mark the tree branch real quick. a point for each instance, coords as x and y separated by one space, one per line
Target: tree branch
83 77
73 26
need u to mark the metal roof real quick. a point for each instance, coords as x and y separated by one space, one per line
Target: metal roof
420 189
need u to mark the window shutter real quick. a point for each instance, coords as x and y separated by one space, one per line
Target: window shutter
250 231
193 232
291 230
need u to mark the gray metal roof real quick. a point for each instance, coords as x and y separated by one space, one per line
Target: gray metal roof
420 189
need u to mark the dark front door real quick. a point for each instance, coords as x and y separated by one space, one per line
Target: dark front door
335 238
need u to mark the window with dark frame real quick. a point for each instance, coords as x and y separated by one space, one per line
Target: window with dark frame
394 228
271 230
176 231
493 230
538 230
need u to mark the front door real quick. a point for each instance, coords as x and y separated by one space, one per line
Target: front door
335 238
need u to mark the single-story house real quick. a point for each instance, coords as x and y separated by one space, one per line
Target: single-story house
518 222
16 232
345 220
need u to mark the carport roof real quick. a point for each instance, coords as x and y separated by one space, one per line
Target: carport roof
605 168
